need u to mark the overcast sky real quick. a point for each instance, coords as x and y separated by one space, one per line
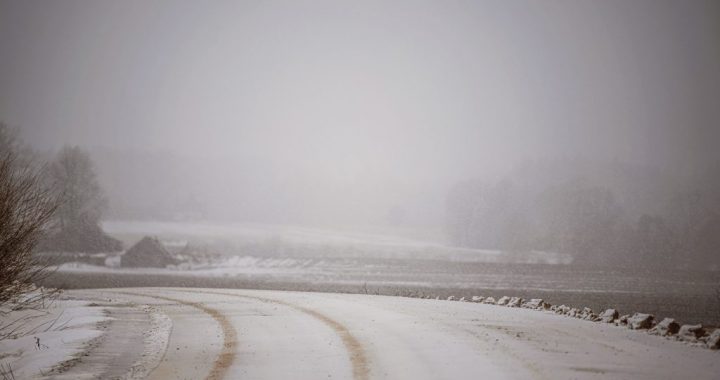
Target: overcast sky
411 92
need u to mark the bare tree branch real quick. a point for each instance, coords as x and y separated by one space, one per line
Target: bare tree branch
26 207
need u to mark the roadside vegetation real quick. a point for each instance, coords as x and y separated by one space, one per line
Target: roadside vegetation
27 206
81 205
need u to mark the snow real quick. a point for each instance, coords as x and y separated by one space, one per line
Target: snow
535 303
640 321
315 335
503 301
154 343
51 337
667 326
195 333
691 333
234 238
713 341
515 302
609 315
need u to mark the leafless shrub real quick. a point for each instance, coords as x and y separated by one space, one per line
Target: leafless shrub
36 306
26 207
409 293
717 296
366 290
6 371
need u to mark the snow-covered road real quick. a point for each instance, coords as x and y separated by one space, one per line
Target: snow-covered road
248 334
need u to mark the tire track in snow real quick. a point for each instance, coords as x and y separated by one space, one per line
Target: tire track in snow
227 354
355 350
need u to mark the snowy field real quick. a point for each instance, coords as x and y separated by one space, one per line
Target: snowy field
44 340
689 297
272 257
303 242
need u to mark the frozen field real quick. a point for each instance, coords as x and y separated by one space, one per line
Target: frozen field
267 257
275 241
689 297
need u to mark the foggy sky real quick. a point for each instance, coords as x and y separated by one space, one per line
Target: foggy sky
376 102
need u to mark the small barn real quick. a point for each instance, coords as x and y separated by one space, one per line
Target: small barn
147 253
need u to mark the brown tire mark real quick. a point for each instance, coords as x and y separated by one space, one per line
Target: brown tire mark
227 354
358 359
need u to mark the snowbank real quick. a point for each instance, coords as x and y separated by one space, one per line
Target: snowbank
696 335
43 340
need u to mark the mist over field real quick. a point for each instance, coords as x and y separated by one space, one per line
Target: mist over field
561 151
329 113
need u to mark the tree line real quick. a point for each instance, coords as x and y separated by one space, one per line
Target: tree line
50 206
601 214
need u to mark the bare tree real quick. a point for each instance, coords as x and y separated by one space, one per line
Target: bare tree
26 208
82 197
82 203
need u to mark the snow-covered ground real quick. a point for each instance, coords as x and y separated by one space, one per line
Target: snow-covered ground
303 242
294 258
254 231
220 333
685 295
72 337
44 340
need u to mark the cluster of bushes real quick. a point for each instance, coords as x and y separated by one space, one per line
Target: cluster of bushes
27 205
52 206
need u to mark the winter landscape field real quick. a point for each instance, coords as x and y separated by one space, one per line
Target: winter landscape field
335 189
288 258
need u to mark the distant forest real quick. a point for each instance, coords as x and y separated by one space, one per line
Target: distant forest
601 212
612 214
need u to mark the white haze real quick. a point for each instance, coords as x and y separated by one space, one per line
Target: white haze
341 113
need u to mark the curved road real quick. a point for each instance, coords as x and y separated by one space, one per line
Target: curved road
247 334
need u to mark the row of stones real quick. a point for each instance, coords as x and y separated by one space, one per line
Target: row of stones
668 327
